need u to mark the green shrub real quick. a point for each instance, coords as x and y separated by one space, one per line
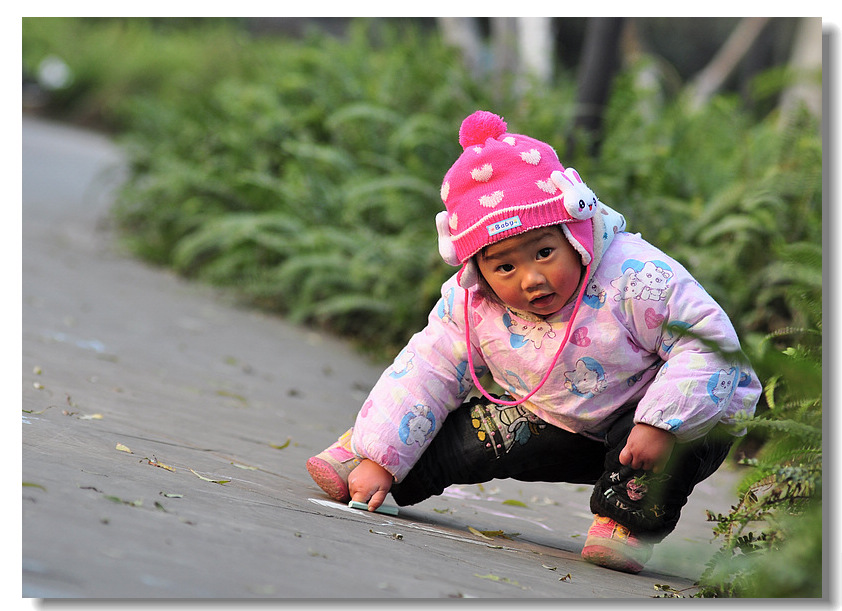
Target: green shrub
115 60
252 154
772 538
729 196
313 189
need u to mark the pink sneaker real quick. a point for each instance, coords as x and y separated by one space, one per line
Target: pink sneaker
330 469
613 546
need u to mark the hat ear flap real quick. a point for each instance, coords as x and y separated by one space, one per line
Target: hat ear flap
446 248
468 276
580 236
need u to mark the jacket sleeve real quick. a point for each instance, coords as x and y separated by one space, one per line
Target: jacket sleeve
704 379
426 381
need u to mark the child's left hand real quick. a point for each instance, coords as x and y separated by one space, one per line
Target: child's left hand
647 448
369 483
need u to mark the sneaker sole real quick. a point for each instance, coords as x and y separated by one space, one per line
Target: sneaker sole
328 480
610 558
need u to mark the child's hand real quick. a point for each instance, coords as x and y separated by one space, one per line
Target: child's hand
647 448
369 483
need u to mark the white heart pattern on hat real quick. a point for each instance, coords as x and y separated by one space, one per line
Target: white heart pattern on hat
547 186
482 174
532 157
445 191
491 200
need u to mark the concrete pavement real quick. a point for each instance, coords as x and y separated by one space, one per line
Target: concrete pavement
165 431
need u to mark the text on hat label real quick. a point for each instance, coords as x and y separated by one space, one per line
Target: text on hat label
504 225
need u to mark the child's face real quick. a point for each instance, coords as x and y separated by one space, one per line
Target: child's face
537 271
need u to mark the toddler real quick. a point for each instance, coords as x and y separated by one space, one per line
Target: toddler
604 348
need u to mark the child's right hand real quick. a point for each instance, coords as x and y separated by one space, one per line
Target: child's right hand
369 483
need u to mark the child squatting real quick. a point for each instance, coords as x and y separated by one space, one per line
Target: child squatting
618 369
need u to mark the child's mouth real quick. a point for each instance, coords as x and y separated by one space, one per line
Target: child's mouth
543 301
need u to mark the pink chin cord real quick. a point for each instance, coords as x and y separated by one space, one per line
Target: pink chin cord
552 365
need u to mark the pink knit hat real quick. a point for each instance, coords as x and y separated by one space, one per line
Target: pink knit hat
505 184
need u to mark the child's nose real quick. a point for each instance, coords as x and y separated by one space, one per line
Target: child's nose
531 279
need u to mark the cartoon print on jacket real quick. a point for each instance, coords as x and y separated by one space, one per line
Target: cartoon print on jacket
645 281
417 425
672 333
721 384
673 423
464 376
594 295
587 380
403 364
515 383
445 306
523 332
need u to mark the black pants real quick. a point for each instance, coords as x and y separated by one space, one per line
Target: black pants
481 441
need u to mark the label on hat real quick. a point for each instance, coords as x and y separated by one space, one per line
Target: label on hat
504 225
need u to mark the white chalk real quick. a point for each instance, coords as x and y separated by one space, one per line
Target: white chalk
387 509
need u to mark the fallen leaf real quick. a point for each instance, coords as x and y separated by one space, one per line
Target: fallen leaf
478 533
117 499
207 479
498 533
549 568
282 446
567 577
30 411
669 591
489 534
515 503
123 448
248 468
38 386
33 485
154 462
170 495
91 417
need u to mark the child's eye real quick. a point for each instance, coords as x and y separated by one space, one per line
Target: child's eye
545 252
505 268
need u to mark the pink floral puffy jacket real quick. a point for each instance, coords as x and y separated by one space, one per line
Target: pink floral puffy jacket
627 346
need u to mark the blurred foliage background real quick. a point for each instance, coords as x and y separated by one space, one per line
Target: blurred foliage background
296 163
